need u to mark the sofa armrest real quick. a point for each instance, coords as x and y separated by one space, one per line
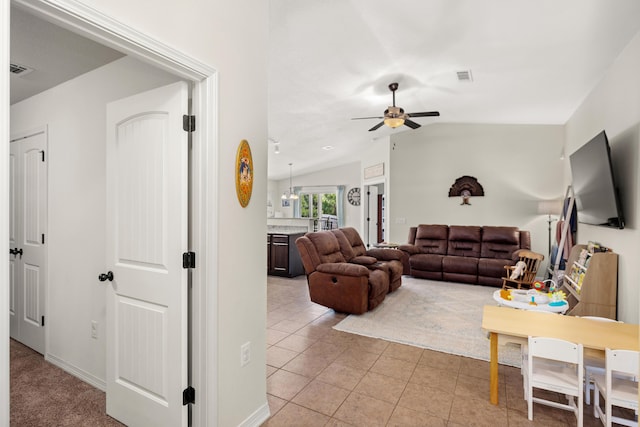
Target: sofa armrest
363 260
410 249
343 269
385 254
341 292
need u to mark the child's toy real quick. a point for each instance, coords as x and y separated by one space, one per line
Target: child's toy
538 285
518 270
505 294
558 298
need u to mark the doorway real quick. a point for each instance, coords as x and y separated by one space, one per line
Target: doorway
374 214
27 234
203 81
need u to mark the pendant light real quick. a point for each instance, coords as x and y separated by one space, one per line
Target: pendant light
291 195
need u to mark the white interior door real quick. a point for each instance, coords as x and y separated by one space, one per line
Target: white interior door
27 257
146 237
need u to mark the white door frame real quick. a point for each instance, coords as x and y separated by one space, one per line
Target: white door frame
94 25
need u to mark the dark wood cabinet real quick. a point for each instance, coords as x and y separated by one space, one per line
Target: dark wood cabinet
283 258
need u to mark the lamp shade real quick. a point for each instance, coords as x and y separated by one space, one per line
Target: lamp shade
393 122
550 207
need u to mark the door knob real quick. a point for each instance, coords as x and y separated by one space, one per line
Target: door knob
15 252
108 276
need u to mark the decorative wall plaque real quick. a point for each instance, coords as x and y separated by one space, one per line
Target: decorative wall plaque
244 173
374 171
465 187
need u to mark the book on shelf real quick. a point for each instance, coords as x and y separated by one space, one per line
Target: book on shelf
595 247
582 259
580 279
575 272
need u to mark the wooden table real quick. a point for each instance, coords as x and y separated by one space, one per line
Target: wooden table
522 323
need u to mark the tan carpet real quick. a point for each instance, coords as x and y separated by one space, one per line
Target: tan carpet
44 395
439 316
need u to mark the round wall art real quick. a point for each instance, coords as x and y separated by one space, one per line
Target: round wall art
244 173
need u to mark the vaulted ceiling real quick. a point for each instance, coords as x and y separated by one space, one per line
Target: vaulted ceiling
332 60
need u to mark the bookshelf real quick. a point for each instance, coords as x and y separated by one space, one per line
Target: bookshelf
591 283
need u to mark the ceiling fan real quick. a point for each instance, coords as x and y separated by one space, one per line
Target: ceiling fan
395 116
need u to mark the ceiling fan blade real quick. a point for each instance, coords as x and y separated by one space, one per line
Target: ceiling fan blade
411 124
366 118
425 114
376 126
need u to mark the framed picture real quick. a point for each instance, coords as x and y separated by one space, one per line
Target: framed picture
286 203
244 173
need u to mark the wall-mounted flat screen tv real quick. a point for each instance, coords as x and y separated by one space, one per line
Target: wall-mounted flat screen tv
596 193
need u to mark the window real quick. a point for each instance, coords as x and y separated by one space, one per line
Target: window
314 205
322 203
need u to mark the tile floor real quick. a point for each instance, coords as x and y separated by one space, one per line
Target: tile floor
317 376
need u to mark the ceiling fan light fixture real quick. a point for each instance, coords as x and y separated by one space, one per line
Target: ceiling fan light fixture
394 122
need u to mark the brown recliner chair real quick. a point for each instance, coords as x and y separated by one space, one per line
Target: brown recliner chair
335 283
354 251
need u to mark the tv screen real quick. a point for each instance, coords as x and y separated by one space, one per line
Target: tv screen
594 185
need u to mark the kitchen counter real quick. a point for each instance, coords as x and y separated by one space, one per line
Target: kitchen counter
285 229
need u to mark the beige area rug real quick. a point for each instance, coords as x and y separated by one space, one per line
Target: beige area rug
440 316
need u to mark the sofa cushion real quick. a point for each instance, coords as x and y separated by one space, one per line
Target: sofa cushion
351 244
499 242
464 240
493 267
432 239
327 247
426 262
460 265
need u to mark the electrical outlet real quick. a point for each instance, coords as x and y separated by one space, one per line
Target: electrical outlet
245 353
94 329
401 220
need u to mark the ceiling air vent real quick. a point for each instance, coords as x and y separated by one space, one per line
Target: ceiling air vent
464 76
19 70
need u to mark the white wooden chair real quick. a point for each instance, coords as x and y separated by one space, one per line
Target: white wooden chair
621 392
555 365
594 364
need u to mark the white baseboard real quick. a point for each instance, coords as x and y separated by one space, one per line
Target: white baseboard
261 415
76 372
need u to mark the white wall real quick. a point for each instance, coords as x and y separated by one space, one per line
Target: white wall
347 175
517 165
231 37
75 115
378 153
614 105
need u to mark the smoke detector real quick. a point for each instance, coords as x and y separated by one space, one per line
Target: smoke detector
19 70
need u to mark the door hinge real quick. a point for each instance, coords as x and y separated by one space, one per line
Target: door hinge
188 396
42 322
189 260
189 123
42 152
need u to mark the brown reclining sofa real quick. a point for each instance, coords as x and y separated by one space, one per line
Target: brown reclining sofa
343 275
463 253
